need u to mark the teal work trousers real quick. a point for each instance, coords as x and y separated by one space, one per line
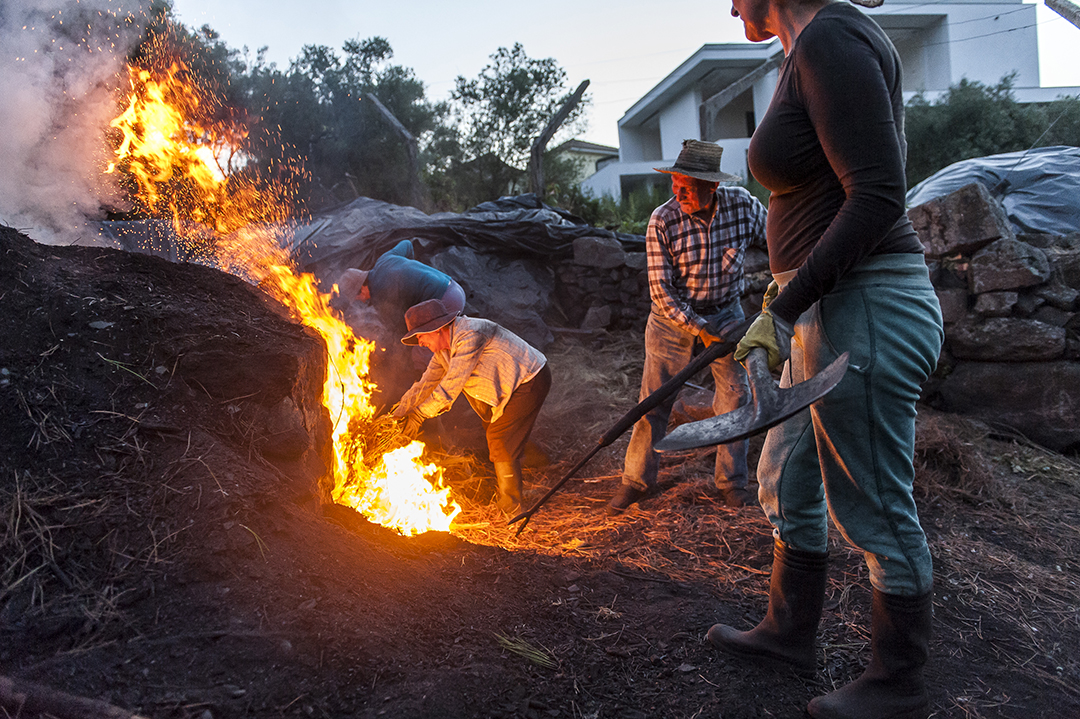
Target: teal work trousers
850 454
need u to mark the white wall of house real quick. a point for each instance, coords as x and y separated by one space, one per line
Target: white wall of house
609 179
763 92
679 121
940 42
637 144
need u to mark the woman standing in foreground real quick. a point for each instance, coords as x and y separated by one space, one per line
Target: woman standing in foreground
849 275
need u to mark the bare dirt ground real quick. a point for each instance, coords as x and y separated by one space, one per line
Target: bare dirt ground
150 557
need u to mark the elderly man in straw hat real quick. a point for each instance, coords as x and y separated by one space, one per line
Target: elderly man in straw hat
696 242
504 378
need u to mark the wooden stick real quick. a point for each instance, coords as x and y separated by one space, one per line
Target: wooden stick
1065 9
536 152
715 351
26 699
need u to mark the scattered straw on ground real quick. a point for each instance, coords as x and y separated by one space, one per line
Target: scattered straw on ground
1002 516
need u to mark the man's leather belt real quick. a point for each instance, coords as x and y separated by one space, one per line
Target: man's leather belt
710 309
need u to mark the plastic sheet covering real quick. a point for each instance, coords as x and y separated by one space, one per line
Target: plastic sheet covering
356 234
1039 189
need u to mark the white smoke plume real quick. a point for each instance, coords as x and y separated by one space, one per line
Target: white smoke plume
62 63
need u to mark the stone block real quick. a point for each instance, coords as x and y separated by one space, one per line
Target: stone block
961 222
513 292
1052 316
1007 264
692 404
1066 264
637 261
1059 295
995 304
953 304
601 252
755 260
1042 240
1039 399
1027 303
1005 339
597 318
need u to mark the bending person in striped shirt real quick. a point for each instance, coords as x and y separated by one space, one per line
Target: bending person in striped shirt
695 243
505 379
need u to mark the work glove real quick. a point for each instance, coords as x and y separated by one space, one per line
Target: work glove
771 334
411 425
770 294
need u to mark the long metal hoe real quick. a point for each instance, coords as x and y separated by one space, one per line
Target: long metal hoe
712 352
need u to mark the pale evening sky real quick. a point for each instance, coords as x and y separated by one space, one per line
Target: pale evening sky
624 48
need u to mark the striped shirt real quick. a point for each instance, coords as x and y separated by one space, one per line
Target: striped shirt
696 265
485 361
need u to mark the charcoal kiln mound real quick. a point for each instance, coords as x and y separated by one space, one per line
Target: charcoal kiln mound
168 549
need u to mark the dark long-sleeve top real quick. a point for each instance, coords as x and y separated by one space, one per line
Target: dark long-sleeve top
831 150
397 281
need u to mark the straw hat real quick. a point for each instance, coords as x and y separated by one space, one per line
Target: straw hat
427 316
701 160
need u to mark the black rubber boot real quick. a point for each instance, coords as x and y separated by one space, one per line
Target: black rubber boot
892 687
786 637
508 475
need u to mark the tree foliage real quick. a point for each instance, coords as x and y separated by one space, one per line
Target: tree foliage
316 114
321 108
507 106
976 120
498 115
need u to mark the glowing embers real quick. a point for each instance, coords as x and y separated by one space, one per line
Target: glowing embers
183 164
396 493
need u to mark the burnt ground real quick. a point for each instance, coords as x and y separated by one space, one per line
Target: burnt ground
153 558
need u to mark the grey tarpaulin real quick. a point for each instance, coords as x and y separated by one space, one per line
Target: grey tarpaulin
354 235
1039 189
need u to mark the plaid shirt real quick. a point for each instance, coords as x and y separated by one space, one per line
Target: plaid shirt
696 266
485 361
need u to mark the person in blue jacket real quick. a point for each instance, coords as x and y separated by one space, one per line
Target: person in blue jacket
397 282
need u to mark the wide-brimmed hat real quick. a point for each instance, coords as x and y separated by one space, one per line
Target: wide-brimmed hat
427 316
701 160
347 288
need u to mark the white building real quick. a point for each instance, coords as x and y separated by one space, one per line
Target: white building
721 91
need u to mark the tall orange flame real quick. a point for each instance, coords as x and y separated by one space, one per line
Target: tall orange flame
183 170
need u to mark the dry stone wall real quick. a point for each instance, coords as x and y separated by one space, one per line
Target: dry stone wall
604 286
1010 305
